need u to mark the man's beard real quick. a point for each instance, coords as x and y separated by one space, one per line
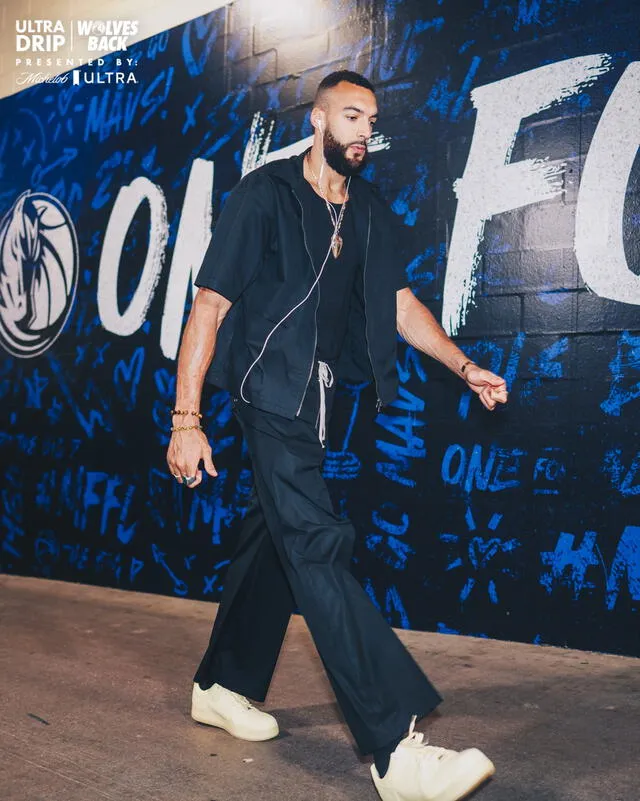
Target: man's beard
335 154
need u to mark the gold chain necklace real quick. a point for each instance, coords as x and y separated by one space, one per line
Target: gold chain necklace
336 239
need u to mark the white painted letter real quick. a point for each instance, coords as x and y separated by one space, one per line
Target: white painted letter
490 185
126 204
600 212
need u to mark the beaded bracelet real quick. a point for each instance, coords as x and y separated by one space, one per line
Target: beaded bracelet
185 411
184 428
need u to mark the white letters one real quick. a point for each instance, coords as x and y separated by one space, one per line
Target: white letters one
191 243
126 204
490 185
600 212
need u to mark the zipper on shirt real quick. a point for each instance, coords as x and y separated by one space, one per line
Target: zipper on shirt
315 314
366 333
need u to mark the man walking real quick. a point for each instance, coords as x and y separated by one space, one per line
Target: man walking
301 284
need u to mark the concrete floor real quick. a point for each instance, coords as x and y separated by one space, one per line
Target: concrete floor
95 687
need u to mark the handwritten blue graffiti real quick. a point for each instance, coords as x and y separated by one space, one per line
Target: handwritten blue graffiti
393 607
626 564
625 369
568 564
343 463
479 555
401 426
391 546
498 472
625 479
126 377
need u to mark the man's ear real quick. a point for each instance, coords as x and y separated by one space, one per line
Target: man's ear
317 120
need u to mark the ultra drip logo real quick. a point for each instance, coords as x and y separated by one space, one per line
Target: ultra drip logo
38 273
40 35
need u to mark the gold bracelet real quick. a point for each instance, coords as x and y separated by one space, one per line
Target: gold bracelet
185 411
466 364
184 428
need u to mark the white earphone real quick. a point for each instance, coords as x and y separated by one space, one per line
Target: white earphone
279 323
319 125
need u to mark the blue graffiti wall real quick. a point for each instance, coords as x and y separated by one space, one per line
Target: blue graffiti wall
507 146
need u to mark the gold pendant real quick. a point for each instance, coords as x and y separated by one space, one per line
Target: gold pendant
336 246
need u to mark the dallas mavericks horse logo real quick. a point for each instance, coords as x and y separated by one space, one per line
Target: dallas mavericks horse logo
38 273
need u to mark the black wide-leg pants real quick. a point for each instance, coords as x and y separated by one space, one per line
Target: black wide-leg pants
294 550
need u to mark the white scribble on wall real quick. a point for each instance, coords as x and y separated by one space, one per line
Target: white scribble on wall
256 152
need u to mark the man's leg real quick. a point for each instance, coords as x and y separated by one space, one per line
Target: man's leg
377 683
252 618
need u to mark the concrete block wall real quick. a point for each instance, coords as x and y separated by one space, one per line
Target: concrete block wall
523 524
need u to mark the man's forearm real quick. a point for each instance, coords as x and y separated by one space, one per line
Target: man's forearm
418 327
196 351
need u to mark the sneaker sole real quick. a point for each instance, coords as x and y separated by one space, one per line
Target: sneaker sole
456 791
235 731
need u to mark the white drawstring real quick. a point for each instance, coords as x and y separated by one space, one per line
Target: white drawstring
325 379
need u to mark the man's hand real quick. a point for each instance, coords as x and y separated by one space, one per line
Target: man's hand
189 446
417 326
186 449
490 388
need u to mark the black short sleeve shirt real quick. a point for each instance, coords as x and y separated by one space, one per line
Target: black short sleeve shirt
239 238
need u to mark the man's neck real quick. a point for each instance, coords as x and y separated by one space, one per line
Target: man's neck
332 184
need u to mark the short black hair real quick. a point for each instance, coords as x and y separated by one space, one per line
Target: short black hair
334 78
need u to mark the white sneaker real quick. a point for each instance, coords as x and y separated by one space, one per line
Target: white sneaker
420 772
232 712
